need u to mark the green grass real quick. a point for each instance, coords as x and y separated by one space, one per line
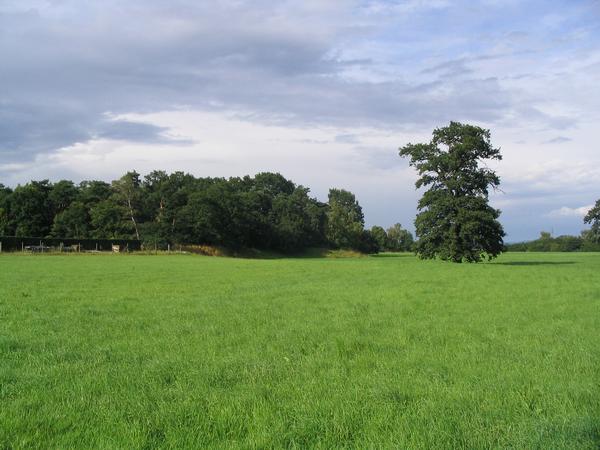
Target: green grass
115 351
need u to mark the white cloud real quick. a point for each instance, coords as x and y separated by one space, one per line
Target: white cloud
565 211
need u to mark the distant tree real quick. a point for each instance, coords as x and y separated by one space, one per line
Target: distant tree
272 184
128 195
93 192
367 243
110 220
380 236
317 217
345 220
4 222
73 222
5 195
296 220
156 199
455 221
593 218
31 209
222 214
61 195
399 239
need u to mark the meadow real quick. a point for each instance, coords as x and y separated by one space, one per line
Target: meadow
187 351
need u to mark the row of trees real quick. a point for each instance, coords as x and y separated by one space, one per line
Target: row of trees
266 211
394 239
588 241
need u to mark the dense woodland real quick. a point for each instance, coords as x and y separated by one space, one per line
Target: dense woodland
266 211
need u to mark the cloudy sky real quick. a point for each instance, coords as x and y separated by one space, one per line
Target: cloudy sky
322 91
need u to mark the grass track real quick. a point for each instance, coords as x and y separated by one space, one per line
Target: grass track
112 351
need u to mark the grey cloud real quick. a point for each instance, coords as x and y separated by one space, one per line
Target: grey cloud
31 128
68 63
347 138
379 158
453 68
137 131
558 140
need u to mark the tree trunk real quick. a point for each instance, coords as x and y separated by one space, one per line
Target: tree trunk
137 234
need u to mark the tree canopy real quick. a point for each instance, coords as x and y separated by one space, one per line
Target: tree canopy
345 220
394 239
266 211
455 221
593 218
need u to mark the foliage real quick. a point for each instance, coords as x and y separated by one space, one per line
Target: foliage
345 220
395 239
73 221
399 239
380 236
267 212
117 351
5 194
367 243
547 243
455 221
128 194
61 195
31 212
109 220
296 220
593 218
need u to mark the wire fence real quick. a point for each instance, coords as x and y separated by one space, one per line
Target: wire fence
37 244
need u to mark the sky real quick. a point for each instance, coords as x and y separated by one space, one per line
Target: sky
324 92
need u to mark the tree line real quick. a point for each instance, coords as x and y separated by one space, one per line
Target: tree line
586 242
266 211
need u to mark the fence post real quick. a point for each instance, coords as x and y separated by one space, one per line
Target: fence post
22 247
0 246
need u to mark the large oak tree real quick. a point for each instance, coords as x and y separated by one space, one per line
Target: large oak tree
593 218
455 221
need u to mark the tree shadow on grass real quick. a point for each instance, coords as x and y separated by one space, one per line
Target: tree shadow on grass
535 263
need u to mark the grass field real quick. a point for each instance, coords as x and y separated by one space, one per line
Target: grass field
117 351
